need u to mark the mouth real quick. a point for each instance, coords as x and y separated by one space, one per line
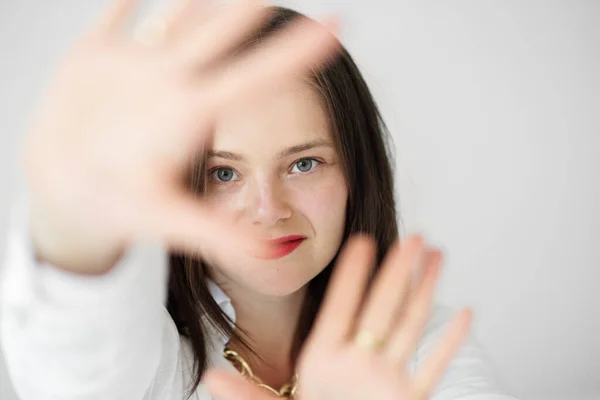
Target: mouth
283 246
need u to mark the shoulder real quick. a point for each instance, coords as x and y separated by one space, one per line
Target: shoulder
176 370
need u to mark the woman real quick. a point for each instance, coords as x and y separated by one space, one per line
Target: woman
294 169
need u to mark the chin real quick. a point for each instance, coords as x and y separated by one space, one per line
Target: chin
278 277
280 280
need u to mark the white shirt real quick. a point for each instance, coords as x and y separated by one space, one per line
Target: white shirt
66 336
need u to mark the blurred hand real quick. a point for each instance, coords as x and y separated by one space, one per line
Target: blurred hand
122 119
360 350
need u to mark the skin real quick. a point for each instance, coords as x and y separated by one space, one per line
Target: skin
105 155
333 365
121 119
273 166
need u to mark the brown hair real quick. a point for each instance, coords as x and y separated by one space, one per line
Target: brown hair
362 142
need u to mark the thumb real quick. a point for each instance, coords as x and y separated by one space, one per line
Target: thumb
226 385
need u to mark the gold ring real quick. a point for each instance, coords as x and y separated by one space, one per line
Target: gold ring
368 341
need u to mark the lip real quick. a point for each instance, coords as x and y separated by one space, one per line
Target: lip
285 239
282 246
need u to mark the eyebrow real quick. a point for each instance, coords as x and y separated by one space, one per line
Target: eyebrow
282 154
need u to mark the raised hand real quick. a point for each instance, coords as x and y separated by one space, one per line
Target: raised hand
364 337
122 119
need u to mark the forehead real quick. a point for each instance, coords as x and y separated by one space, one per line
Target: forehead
289 115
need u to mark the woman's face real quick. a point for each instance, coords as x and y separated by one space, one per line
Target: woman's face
274 166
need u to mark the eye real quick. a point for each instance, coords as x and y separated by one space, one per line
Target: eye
305 165
224 174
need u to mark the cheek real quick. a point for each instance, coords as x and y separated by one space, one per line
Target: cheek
323 203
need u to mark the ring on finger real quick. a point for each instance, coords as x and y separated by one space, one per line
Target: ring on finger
369 341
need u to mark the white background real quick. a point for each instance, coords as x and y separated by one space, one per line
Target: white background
494 107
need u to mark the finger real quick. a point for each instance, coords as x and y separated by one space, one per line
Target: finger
435 365
345 292
388 291
417 273
229 386
409 329
116 15
178 10
184 223
302 46
159 29
182 15
225 28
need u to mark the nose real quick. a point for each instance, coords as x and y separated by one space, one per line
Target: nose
267 204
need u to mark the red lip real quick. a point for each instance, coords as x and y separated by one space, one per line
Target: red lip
284 245
285 239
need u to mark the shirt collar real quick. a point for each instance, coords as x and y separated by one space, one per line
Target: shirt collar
224 302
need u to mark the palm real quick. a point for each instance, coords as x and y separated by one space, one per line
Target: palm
373 340
352 374
117 131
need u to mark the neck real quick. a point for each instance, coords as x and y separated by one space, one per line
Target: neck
269 325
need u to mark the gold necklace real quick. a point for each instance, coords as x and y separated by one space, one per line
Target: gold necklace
287 391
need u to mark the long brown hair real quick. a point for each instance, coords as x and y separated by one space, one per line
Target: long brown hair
362 142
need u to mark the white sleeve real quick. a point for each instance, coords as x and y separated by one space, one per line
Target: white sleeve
470 375
67 336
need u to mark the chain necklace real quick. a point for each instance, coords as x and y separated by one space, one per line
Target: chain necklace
287 391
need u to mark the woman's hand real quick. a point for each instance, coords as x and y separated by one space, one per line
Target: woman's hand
119 125
360 349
